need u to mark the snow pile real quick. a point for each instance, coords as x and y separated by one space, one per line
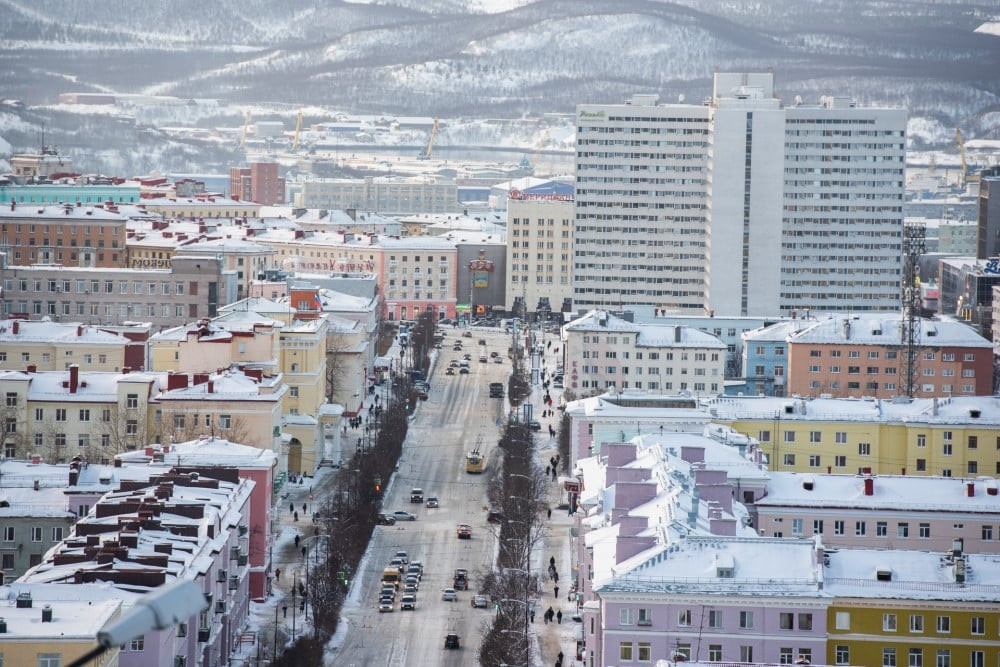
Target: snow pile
928 132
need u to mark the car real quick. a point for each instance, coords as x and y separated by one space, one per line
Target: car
557 384
467 356
449 595
412 580
482 341
417 564
464 370
388 589
534 425
399 564
386 520
403 515
457 348
437 346
385 606
409 590
408 602
403 556
497 360
494 516
494 354
449 371
451 640
422 394
483 359
464 531
416 495
479 601
432 501
466 334
453 363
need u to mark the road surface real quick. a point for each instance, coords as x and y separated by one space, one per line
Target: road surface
457 416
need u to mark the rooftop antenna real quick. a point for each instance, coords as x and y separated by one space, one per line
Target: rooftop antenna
913 247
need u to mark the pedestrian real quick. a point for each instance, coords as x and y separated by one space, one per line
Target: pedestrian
291 507
555 576
545 618
547 471
559 617
316 529
303 552
557 592
284 610
295 515
551 612
550 512
297 540
553 479
531 615
552 561
277 574
560 656
303 508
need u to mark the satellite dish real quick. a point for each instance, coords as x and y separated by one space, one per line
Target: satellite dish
680 98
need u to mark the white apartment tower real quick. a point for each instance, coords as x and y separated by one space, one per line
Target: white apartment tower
741 206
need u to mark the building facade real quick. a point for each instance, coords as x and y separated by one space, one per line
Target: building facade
384 194
540 250
70 235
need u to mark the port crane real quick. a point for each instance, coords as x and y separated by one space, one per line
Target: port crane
426 154
298 128
246 126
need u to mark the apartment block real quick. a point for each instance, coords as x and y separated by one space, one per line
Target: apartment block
857 356
602 351
743 206
70 235
387 195
49 346
540 248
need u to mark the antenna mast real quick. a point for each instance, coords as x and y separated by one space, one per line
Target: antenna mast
913 247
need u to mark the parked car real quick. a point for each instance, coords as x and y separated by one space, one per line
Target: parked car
402 515
479 601
482 341
449 595
494 354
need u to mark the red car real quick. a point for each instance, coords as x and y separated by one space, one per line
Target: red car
464 531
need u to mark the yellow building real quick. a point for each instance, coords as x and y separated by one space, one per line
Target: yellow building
51 346
912 609
48 632
202 207
950 437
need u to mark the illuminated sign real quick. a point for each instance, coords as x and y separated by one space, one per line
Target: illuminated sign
528 196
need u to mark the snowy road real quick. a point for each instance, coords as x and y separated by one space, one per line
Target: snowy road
458 415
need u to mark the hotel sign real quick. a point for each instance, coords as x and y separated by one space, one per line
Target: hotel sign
528 196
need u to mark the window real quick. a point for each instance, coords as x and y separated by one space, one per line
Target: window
973 442
789 436
817 526
131 427
645 616
36 533
972 467
840 437
746 653
925 531
138 644
789 459
864 449
860 528
714 618
684 617
943 658
132 401
840 461
814 460
715 652
903 530
881 529
179 421
645 652
786 656
805 621
60 414
815 437
625 651
7 562
978 626
944 624
49 659
987 533
625 616
746 619
977 659
225 421
888 657
796 527
916 623
916 657
838 527
57 536
889 622
786 621
8 533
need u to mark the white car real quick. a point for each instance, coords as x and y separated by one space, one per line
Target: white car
449 595
403 515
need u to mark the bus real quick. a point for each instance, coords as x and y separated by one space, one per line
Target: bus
474 462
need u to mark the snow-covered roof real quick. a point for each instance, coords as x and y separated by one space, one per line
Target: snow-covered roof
201 452
913 575
891 492
77 615
884 329
58 213
648 335
230 245
777 332
36 331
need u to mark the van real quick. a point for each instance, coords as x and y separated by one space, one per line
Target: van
390 575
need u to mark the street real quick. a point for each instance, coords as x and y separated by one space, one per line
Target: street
457 416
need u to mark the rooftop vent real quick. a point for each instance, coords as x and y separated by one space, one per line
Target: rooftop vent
883 574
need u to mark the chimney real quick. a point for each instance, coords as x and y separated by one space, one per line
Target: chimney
970 489
677 334
847 329
15 327
24 600
79 330
74 476
36 459
211 386
177 381
31 368
869 486
47 614
74 377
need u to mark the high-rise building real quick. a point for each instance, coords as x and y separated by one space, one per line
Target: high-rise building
258 183
741 206
988 237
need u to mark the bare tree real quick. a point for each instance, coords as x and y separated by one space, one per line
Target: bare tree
179 425
336 364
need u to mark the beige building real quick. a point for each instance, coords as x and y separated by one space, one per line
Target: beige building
49 628
49 346
246 259
202 207
539 250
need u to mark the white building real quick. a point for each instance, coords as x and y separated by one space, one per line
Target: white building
539 250
606 352
685 207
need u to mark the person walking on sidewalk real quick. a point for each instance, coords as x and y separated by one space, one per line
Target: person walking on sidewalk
557 592
531 615
559 616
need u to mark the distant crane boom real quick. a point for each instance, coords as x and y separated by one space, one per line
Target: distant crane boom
246 126
298 128
964 174
426 155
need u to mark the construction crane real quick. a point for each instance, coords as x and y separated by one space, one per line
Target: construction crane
426 154
246 126
298 128
964 174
